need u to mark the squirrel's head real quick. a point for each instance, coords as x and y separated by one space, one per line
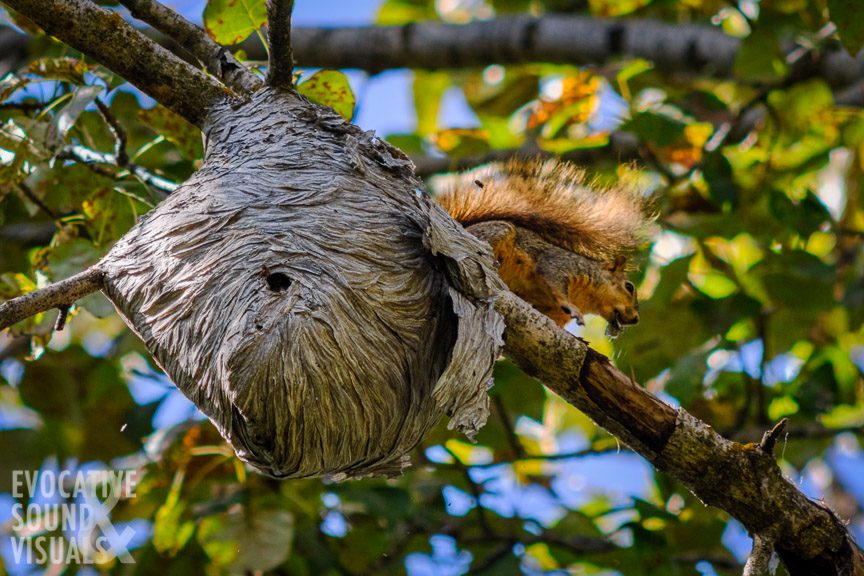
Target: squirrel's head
623 305
613 296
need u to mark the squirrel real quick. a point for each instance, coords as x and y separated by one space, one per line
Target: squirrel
561 243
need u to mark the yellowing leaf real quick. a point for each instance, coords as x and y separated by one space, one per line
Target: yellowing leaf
232 21
330 88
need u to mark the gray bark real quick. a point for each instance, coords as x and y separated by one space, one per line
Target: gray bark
105 36
60 294
218 60
743 480
280 71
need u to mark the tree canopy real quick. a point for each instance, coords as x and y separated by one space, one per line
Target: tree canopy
742 120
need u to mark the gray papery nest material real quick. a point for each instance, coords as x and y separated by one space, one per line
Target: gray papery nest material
304 292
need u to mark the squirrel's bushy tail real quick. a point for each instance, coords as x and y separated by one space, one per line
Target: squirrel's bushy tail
553 199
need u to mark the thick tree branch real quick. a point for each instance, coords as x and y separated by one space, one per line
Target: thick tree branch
218 60
280 73
556 38
105 36
60 294
743 480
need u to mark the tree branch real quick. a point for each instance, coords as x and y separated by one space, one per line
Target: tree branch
218 60
105 36
560 39
758 564
94 160
281 70
743 480
60 294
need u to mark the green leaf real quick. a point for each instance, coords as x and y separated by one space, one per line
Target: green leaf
804 217
658 129
330 88
802 104
846 14
170 532
428 89
246 541
720 180
232 21
797 279
760 58
72 257
176 130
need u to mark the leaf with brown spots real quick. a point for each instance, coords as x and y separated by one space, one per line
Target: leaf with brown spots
330 88
232 21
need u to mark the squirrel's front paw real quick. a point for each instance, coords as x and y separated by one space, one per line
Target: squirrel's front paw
574 313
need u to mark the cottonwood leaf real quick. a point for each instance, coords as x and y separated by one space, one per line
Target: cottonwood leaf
232 21
330 88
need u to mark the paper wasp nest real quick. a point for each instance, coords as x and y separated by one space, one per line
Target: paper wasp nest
308 297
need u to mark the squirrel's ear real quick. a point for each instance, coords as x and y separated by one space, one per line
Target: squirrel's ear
617 265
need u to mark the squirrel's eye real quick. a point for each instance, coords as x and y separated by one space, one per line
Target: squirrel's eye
630 287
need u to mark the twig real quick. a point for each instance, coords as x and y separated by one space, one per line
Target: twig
61 318
769 439
497 553
28 193
759 562
117 131
512 439
475 492
93 160
58 295
105 36
281 70
217 59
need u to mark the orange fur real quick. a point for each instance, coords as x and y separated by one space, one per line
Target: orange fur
553 199
560 242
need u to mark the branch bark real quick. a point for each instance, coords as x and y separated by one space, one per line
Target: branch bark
280 73
555 38
743 480
60 294
105 36
218 60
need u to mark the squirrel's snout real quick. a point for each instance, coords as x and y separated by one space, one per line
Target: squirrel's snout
627 315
